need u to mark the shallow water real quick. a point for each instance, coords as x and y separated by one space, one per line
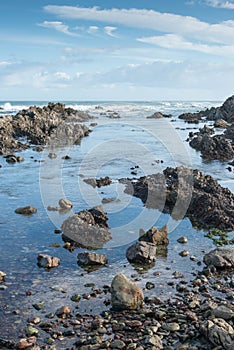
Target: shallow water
112 149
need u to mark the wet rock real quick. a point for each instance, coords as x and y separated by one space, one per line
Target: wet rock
154 341
221 257
87 258
211 148
2 275
125 294
184 253
103 181
182 240
52 155
28 210
39 126
65 204
218 332
158 115
87 229
156 236
171 326
181 191
47 261
63 311
11 159
191 117
26 343
141 253
66 157
39 306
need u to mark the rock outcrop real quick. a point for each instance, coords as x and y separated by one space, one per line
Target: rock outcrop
158 115
87 229
185 192
40 126
156 236
125 294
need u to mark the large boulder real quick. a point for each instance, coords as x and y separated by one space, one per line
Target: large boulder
125 294
141 253
87 229
221 257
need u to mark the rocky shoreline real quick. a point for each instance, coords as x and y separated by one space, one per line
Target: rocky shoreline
200 314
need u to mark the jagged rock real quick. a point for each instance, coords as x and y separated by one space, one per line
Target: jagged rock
28 210
125 294
156 236
216 147
87 229
87 258
191 117
47 261
65 204
40 126
26 343
221 257
218 332
141 253
185 192
158 115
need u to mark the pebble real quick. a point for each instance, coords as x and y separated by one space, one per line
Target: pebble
182 240
184 253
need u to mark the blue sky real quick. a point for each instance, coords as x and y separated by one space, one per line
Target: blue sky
117 50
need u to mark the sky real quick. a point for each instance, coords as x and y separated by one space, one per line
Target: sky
116 50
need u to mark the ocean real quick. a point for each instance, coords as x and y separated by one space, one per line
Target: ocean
113 148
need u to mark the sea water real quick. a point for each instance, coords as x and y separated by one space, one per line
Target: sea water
113 148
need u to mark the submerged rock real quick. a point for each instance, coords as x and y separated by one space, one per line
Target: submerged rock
125 294
221 257
2 275
28 210
103 181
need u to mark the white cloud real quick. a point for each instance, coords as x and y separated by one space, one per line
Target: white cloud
93 30
229 5
4 63
110 31
59 26
150 19
173 41
62 75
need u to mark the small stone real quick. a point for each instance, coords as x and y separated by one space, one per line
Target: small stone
149 285
65 204
52 155
66 157
25 343
171 327
76 298
2 275
28 210
117 344
88 258
19 159
184 253
154 340
63 311
182 240
47 261
32 331
39 306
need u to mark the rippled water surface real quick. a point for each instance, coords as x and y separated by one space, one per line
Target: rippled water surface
112 149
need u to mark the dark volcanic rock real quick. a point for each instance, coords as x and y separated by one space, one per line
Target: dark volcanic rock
191 117
40 126
88 228
189 193
158 115
216 147
156 236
